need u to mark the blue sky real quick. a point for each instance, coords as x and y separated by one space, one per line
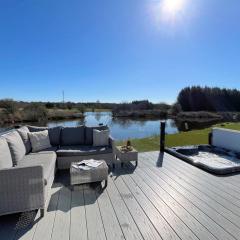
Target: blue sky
116 51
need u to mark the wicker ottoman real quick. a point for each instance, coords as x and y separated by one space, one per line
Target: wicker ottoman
97 174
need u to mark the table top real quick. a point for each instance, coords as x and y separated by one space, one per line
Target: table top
120 150
101 166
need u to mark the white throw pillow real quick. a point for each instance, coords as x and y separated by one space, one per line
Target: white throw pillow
100 138
39 140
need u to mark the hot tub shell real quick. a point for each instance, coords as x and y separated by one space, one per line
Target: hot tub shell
223 142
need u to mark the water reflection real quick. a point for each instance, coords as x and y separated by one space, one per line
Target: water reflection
98 116
184 125
121 128
124 128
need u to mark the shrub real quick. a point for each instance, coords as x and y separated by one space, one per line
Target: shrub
199 115
81 109
49 105
9 106
175 109
9 111
35 112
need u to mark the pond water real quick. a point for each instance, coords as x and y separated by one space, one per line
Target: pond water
122 128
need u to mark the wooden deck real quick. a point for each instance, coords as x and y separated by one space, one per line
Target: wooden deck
163 198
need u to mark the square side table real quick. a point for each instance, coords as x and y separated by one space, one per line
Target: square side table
125 156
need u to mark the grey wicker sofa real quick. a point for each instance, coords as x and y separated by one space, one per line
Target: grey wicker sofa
26 177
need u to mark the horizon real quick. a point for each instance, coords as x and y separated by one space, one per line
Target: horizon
127 102
117 51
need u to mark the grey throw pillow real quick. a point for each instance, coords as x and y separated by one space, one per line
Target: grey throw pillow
89 133
100 138
39 140
5 156
16 146
23 131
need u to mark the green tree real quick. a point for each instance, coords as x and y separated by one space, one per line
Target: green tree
198 98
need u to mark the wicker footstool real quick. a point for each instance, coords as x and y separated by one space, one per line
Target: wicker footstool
97 174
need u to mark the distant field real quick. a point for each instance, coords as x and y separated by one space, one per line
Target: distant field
178 139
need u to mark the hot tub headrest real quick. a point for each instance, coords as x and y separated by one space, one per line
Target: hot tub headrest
226 138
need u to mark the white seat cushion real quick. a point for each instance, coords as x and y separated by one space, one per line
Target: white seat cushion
45 159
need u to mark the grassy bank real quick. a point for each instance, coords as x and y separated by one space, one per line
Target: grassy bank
178 139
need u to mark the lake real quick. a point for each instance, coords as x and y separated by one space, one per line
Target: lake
120 128
123 128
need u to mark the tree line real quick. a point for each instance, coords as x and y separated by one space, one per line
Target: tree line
140 105
215 99
190 99
12 111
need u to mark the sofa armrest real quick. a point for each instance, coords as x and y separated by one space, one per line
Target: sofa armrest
21 189
111 142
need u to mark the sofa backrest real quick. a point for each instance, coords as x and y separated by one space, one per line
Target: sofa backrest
16 146
67 136
73 136
54 133
5 155
226 138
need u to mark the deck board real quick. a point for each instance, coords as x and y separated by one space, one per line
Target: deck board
231 193
213 183
163 198
146 227
62 219
211 219
45 225
221 205
153 214
200 216
110 221
78 216
159 196
94 220
127 223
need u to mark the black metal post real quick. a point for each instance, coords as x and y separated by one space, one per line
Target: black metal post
162 136
210 138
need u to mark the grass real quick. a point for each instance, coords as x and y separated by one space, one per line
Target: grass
178 139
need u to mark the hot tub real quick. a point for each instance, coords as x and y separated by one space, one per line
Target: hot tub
213 159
